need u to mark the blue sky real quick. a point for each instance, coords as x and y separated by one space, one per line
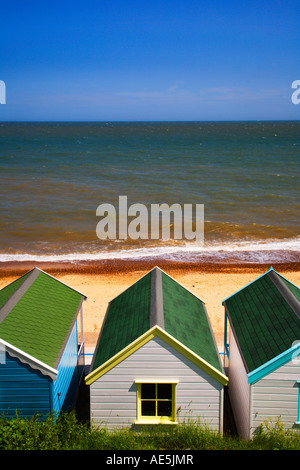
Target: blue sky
149 60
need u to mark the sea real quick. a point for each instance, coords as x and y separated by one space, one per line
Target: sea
54 175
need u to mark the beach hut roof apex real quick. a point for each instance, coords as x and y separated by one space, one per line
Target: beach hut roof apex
37 314
265 318
156 303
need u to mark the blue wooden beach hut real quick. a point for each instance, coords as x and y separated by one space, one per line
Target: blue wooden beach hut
41 359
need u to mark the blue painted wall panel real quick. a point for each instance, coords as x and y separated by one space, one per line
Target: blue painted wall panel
22 389
29 391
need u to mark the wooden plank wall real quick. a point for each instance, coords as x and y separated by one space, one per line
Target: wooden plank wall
198 396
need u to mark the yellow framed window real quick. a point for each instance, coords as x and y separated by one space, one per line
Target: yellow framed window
156 402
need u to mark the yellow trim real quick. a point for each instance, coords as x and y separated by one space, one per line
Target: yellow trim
119 357
156 381
156 419
189 354
143 339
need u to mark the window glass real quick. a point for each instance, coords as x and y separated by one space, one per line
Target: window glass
164 408
164 391
156 400
148 391
148 408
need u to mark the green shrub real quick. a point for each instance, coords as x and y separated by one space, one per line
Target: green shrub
65 432
273 435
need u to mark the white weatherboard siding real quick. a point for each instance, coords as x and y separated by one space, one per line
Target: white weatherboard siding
113 396
276 395
272 397
239 389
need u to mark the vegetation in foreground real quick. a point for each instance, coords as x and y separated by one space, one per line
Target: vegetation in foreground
65 432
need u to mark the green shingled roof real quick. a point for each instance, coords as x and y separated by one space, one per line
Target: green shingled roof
37 314
156 299
186 320
127 318
7 291
265 318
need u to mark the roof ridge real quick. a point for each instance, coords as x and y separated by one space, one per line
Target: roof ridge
156 299
18 294
289 297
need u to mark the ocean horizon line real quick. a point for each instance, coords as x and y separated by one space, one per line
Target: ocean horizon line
159 121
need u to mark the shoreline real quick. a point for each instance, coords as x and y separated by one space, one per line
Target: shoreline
117 266
101 282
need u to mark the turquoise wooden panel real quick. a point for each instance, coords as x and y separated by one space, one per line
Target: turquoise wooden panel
65 387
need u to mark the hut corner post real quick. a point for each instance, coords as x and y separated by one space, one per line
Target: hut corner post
81 343
226 344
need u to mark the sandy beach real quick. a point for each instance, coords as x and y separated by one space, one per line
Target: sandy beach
102 282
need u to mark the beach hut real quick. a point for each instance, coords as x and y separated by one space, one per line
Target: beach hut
262 334
156 361
40 356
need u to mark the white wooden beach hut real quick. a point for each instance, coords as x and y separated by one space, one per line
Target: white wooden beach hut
156 361
263 349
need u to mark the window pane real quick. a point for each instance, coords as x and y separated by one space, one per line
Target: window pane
148 408
164 391
148 391
164 408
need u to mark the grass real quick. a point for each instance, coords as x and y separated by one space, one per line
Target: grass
65 432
